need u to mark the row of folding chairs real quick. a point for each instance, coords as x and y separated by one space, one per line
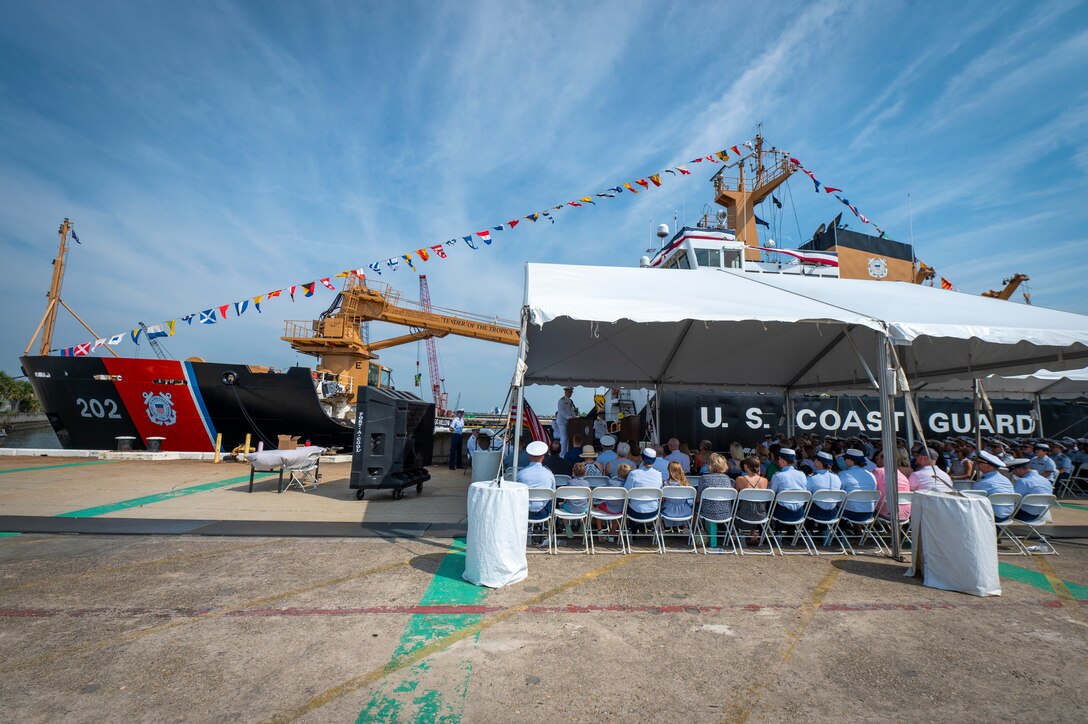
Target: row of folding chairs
1072 485
789 511
1005 525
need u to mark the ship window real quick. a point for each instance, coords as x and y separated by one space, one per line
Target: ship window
386 379
169 382
42 374
731 259
372 375
708 258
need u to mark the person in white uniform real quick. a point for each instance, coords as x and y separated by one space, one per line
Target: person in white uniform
457 428
563 415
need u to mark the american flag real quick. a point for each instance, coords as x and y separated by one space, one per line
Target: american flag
535 428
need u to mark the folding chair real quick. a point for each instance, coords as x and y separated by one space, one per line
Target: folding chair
724 523
978 493
561 480
599 495
885 523
1036 500
306 472
694 480
595 481
680 493
865 519
762 523
795 517
578 495
1079 480
830 517
1005 524
543 516
961 485
511 473
651 519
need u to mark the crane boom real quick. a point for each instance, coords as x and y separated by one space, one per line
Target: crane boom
337 338
441 399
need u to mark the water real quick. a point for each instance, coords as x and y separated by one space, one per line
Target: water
40 437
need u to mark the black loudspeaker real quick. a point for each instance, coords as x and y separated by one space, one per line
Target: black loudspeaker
394 441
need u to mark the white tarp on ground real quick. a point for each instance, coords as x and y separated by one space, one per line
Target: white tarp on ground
498 524
736 330
953 543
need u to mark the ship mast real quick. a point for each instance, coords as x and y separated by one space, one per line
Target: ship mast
742 184
49 319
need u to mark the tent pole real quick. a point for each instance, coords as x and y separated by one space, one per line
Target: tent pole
909 419
789 413
978 415
1038 416
655 440
519 382
886 379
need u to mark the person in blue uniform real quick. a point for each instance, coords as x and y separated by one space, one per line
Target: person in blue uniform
643 477
1061 460
992 481
822 478
787 515
457 427
608 453
856 477
535 475
1042 463
1029 482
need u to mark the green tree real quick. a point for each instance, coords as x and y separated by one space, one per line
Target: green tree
20 393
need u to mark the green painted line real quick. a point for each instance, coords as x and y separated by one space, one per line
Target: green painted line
54 467
1038 580
8 535
158 497
407 701
1074 507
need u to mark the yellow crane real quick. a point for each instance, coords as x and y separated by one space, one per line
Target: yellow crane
336 338
1011 285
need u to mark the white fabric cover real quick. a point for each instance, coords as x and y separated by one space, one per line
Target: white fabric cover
498 524
290 459
954 543
485 464
637 327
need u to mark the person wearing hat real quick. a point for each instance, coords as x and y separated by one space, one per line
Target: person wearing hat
589 457
600 425
998 448
535 475
856 477
457 427
472 445
608 454
992 481
927 476
563 414
1061 460
1029 482
644 477
1042 463
823 478
788 478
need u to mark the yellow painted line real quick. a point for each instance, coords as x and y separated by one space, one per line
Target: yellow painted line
213 614
401 662
741 708
133 566
1069 601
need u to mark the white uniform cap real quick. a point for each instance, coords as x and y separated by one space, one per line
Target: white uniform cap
1018 462
854 453
787 452
649 453
537 448
1041 446
990 458
608 440
825 456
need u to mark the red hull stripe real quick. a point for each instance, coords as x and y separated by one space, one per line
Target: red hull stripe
158 397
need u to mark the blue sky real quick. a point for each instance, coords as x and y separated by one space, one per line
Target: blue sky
211 151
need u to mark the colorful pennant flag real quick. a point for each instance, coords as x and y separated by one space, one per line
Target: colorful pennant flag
308 289
115 340
155 331
188 318
257 303
98 343
533 217
376 267
328 283
630 188
207 316
683 171
423 254
655 179
393 264
223 312
485 236
513 223
273 295
468 240
761 222
82 350
947 285
735 150
408 258
439 251
135 334
241 307
292 291
643 183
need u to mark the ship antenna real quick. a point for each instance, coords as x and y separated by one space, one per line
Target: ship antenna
910 221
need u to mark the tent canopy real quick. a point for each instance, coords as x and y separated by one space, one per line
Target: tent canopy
641 327
1045 383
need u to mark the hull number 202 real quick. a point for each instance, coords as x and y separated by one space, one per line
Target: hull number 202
98 408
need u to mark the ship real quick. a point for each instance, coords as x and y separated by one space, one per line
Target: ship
112 402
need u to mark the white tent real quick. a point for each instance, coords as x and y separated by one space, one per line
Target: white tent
626 326
737 330
1044 383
